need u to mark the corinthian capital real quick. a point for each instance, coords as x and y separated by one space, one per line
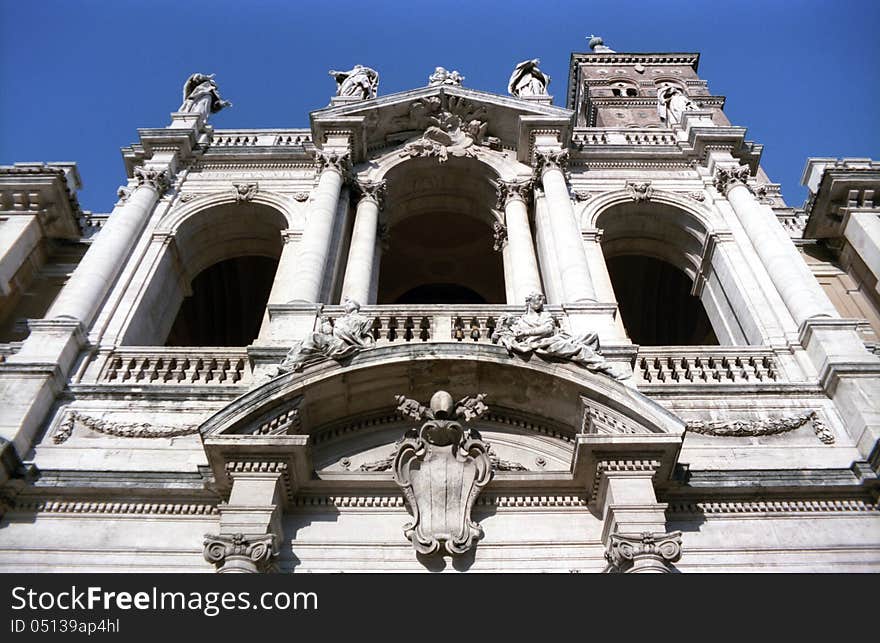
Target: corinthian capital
156 179
372 190
238 553
644 552
728 177
337 161
546 160
513 190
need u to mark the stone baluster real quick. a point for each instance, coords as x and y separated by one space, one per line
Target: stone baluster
523 268
577 284
359 275
82 295
334 167
796 284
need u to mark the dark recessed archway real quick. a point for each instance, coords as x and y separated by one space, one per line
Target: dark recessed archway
656 304
440 294
227 304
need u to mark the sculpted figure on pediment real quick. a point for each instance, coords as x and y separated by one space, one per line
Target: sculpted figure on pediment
528 80
443 77
201 95
536 332
358 82
453 130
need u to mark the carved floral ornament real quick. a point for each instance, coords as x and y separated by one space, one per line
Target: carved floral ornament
546 160
373 190
766 426
643 552
240 553
441 469
453 127
156 179
332 160
118 429
512 191
729 177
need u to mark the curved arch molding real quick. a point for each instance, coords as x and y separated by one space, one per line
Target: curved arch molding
280 420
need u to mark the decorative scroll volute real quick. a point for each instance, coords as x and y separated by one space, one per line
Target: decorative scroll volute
441 470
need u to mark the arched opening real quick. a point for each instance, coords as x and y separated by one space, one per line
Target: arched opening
227 303
211 281
439 248
656 303
654 252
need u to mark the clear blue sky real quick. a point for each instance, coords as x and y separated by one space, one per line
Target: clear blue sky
77 78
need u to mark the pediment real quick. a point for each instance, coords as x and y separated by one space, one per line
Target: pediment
388 121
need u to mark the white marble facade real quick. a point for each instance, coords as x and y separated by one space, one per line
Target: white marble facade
574 447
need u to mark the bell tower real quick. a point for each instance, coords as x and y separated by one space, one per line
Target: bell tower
611 89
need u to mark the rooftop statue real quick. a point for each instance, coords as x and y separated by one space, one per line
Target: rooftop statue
358 82
528 80
598 45
672 103
535 331
201 96
347 336
443 77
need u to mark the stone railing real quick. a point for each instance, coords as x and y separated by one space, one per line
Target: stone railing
589 137
260 138
434 323
705 365
173 365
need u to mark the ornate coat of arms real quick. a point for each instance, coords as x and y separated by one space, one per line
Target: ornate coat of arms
441 469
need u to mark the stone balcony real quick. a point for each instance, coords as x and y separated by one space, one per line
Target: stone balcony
233 369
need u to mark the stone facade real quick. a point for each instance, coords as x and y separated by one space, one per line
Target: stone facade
254 366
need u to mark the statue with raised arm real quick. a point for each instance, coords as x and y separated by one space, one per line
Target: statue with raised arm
348 335
201 96
672 103
535 331
528 80
358 82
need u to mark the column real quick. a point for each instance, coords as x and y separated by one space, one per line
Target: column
796 284
250 522
82 295
286 271
577 284
520 252
315 248
364 247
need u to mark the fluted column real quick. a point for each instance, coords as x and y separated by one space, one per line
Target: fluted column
577 285
512 197
81 297
362 252
796 284
318 235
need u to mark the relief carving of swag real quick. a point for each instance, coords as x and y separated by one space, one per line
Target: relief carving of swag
535 331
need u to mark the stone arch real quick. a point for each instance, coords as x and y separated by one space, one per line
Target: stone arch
214 247
538 407
441 220
669 233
